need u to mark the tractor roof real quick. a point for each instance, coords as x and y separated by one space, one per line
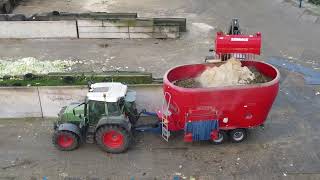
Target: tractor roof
109 92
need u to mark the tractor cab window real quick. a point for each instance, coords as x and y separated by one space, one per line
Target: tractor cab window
96 110
113 109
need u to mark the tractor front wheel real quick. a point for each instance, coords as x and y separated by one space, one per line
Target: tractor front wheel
65 140
113 139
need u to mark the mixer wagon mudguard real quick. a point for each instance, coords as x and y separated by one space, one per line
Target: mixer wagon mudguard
201 130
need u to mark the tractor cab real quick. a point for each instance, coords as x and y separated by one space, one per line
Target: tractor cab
109 100
105 117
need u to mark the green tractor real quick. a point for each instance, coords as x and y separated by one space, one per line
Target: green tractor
106 117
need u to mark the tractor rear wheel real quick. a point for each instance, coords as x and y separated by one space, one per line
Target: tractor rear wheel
65 140
238 135
113 139
222 136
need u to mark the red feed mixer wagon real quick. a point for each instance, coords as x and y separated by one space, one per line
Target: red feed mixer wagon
218 112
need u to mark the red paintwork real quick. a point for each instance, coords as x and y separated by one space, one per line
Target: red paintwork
214 135
188 137
65 141
113 139
244 105
244 44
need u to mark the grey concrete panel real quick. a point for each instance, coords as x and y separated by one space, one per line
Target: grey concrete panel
104 35
97 29
89 23
135 29
141 35
54 98
38 29
19 102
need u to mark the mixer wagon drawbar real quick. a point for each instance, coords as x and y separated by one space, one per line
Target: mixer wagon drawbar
109 115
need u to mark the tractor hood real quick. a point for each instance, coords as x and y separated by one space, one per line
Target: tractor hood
66 114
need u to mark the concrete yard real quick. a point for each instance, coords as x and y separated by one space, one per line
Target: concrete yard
287 148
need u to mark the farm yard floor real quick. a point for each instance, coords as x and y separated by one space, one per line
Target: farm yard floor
287 148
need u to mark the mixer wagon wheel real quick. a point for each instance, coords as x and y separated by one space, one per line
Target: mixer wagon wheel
238 135
222 136
113 139
65 140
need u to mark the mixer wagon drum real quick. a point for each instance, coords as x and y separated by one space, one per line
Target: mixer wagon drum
203 113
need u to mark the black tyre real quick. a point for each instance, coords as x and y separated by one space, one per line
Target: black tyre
222 136
7 7
65 140
55 13
238 135
113 139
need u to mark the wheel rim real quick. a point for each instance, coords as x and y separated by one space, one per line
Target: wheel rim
238 136
220 138
65 141
113 139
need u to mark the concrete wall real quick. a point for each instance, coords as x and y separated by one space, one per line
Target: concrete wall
38 29
19 102
53 98
125 29
22 102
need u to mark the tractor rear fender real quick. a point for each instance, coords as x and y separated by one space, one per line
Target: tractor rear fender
118 122
70 127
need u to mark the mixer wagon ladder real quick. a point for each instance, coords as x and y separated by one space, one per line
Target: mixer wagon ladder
164 119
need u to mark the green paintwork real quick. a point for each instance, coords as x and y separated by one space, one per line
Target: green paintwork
68 116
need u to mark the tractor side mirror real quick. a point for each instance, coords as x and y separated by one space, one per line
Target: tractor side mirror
89 84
